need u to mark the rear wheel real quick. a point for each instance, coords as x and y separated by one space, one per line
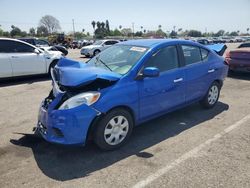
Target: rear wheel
113 130
212 96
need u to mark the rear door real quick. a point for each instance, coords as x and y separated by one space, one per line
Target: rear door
198 71
5 63
24 60
165 92
108 44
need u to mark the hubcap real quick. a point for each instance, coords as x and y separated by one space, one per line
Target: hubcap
116 130
213 95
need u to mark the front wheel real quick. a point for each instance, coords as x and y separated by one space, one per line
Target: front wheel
212 96
113 130
96 52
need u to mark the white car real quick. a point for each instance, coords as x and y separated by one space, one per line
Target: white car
18 58
97 47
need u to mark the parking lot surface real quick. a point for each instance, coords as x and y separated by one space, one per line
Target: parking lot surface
191 147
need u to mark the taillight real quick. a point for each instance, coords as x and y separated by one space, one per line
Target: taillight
227 55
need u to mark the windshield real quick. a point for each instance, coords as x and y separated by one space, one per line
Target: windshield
119 58
99 42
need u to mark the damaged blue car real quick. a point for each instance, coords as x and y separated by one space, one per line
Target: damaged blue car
126 85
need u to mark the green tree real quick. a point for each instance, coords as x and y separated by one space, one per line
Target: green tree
32 31
6 34
173 33
51 23
194 33
1 32
15 31
107 26
220 33
117 33
42 31
234 33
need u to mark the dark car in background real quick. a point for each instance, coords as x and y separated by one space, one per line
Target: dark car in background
43 44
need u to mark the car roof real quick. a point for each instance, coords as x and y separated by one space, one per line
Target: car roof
21 41
150 43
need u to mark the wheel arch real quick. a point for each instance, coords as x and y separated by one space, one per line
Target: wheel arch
98 118
51 64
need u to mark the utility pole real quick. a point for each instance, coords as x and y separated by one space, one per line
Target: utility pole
133 27
73 22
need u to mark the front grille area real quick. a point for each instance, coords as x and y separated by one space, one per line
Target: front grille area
42 128
48 100
57 132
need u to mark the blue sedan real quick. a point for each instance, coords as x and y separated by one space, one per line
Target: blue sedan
126 85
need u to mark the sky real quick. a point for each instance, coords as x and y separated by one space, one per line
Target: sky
203 15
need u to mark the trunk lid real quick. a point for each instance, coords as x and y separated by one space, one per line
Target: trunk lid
241 53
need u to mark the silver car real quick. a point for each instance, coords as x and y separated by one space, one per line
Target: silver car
97 47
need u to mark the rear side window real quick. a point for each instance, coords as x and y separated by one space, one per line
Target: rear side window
42 42
164 59
204 54
8 46
191 54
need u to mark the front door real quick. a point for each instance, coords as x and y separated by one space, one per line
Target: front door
163 93
25 61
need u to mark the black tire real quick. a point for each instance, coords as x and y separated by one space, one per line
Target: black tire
206 102
96 52
99 133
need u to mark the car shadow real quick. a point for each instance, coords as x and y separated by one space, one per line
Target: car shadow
239 75
23 80
65 163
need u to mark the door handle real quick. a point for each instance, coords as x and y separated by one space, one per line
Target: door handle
178 80
211 70
14 56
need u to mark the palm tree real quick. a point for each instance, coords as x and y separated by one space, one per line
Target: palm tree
83 30
93 24
144 31
247 30
159 27
141 28
120 27
102 25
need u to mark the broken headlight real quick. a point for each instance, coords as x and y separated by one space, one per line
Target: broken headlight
87 98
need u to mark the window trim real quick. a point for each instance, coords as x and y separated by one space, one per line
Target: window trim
183 57
179 59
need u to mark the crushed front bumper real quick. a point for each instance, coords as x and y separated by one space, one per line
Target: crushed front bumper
65 126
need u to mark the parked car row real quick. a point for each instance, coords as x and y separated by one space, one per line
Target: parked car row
224 39
97 47
43 44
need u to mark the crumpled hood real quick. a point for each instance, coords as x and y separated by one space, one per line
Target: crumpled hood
74 73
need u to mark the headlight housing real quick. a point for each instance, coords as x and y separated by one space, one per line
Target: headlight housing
87 98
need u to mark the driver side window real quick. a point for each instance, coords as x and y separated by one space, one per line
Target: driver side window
165 59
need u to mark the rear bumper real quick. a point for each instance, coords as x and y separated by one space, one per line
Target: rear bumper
242 65
67 127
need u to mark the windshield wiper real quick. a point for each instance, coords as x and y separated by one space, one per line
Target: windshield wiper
98 59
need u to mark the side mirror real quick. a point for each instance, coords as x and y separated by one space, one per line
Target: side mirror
37 51
151 72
